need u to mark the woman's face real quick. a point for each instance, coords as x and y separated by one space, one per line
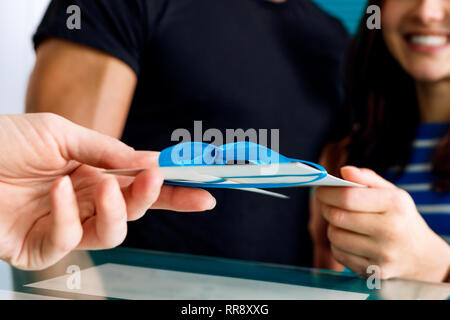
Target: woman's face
417 33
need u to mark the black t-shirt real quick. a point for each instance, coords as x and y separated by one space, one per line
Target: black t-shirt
231 64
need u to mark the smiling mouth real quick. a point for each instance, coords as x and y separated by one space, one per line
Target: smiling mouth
431 41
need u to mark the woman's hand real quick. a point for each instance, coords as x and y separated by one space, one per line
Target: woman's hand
380 225
53 197
318 226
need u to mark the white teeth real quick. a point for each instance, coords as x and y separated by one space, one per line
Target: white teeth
432 41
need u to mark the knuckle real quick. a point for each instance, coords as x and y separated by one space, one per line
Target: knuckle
396 227
347 197
109 242
386 255
377 228
399 199
360 268
121 238
403 195
112 242
391 198
48 116
322 208
52 119
341 258
336 216
367 171
332 234
137 215
329 233
117 219
153 190
65 244
386 271
20 265
337 255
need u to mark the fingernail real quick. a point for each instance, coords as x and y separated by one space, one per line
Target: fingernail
213 203
65 185
111 191
65 189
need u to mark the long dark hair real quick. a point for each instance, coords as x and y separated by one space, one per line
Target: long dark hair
381 98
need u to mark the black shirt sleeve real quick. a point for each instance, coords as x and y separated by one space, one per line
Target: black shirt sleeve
116 27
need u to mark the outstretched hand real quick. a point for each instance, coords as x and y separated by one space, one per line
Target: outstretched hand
54 197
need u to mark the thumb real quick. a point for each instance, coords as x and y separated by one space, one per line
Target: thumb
365 177
98 150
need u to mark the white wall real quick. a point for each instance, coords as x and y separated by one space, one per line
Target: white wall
18 21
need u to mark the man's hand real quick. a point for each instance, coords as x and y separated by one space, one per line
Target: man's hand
381 226
53 197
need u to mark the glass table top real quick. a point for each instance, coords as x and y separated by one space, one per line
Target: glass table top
124 273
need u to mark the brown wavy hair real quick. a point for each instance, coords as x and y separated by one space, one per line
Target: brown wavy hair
382 102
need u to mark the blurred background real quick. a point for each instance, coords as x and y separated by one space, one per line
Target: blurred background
19 19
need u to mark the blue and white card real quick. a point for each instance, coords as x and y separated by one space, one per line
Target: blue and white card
243 166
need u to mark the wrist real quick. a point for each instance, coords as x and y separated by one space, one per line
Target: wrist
438 268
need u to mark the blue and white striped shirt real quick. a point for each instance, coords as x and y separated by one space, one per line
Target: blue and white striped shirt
417 179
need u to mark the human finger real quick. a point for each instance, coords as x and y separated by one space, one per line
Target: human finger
356 199
184 199
359 222
351 242
95 149
142 193
355 263
366 177
108 227
66 231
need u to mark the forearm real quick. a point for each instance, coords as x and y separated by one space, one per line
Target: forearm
83 85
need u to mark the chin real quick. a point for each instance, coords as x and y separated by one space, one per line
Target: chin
427 73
